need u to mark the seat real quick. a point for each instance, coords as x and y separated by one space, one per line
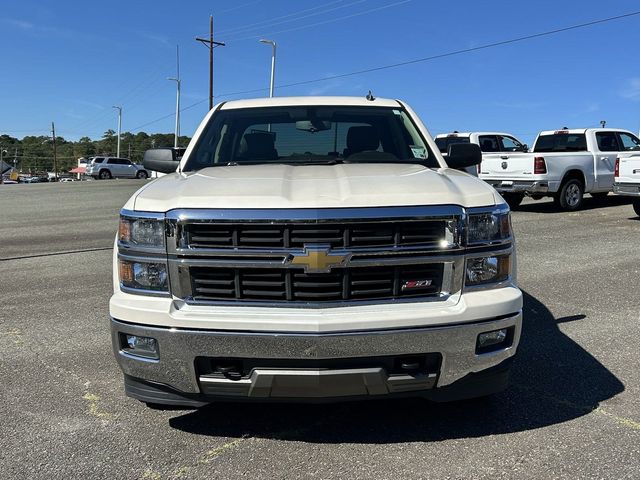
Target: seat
258 146
487 145
361 139
607 144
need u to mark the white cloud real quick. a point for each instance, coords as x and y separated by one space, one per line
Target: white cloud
19 23
520 105
632 90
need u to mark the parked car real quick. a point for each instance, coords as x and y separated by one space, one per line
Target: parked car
314 248
491 144
111 167
30 180
564 164
627 170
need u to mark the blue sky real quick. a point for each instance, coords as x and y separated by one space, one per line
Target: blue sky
71 63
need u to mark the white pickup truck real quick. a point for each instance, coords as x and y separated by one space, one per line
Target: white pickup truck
627 171
314 248
564 164
492 145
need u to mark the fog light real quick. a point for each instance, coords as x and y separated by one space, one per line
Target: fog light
494 340
141 346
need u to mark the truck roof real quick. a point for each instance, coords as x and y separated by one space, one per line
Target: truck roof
468 134
582 130
311 100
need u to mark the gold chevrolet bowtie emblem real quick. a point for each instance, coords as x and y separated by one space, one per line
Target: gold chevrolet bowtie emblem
318 259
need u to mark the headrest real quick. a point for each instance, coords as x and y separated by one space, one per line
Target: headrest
360 139
260 146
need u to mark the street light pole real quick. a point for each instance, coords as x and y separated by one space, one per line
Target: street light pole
273 64
55 154
119 127
177 127
177 80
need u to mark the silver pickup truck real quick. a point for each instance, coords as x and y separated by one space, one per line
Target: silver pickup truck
564 164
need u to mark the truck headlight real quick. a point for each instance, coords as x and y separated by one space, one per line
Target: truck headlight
482 270
138 275
489 227
141 232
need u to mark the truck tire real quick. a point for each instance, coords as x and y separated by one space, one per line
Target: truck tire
513 199
570 196
636 207
104 175
142 174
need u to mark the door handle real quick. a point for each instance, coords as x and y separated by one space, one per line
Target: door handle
504 157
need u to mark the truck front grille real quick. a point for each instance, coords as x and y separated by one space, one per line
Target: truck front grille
293 285
289 235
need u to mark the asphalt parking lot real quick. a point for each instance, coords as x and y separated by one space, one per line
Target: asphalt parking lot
573 409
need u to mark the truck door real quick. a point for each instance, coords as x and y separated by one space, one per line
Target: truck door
605 159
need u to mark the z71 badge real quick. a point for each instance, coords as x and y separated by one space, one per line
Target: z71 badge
411 284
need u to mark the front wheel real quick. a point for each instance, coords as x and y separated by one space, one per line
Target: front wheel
570 196
636 207
513 199
142 174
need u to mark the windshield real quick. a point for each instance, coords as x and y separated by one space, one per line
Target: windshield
309 135
561 142
444 142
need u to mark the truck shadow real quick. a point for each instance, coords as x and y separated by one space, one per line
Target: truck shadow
553 380
546 205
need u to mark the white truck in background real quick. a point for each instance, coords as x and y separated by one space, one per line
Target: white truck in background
564 164
492 144
627 173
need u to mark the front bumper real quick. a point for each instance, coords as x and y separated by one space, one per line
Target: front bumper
176 378
630 189
518 186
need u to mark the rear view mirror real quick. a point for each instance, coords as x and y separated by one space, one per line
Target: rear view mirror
463 155
313 125
525 148
163 160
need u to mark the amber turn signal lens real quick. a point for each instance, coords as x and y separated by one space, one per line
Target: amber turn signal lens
124 230
126 271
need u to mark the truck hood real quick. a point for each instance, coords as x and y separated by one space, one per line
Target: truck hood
313 186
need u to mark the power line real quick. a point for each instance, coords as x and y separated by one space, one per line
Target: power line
247 28
457 52
414 61
268 22
238 7
324 22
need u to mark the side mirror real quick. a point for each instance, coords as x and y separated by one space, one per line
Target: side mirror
525 148
163 160
463 155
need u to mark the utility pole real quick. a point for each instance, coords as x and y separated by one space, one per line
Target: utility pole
55 156
211 44
129 157
177 80
119 127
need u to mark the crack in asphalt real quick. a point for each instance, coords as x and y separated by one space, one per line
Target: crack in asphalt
53 254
